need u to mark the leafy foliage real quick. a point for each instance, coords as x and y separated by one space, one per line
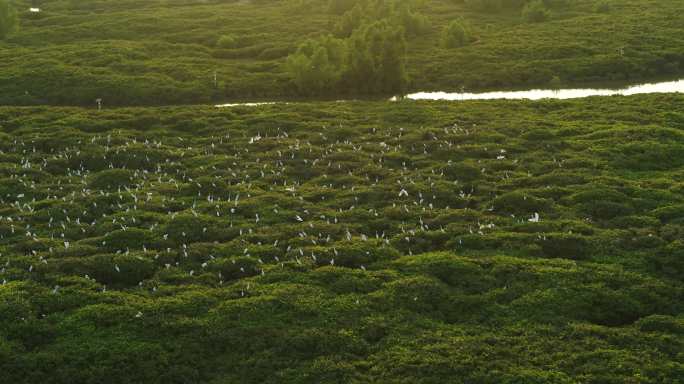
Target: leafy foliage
160 52
535 11
8 18
407 242
377 59
318 65
371 61
455 35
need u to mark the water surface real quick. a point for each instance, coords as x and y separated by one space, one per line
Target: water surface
676 86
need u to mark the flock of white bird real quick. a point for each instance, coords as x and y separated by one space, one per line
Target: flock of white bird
329 189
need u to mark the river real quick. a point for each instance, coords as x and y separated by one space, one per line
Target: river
676 86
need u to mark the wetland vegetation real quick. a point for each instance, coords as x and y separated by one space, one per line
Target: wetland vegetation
161 52
154 238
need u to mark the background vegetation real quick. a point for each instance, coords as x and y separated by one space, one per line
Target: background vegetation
8 19
408 242
160 52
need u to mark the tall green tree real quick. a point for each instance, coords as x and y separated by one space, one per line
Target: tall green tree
377 59
535 12
339 7
414 23
8 19
350 21
317 66
456 34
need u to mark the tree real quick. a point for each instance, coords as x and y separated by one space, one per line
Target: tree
227 42
535 12
455 35
377 55
414 23
602 6
371 60
339 7
399 13
350 21
8 19
485 5
317 65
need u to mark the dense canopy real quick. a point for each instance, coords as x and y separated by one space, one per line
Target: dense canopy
160 52
479 242
320 227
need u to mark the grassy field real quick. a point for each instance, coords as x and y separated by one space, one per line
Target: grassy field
408 242
166 52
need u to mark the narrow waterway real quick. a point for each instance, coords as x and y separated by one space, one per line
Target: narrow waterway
538 94
676 86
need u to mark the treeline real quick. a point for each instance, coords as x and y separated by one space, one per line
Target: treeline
530 10
180 52
510 5
365 51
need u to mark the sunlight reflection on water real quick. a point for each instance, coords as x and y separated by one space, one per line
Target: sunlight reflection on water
538 94
676 86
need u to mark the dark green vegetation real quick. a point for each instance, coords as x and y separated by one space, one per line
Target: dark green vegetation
535 11
479 242
8 19
456 34
371 61
167 51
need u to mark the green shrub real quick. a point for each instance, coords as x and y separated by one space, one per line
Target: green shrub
603 203
227 42
112 179
635 222
661 323
672 232
535 12
318 65
421 294
602 6
345 281
131 238
456 34
132 269
341 6
596 304
564 245
235 268
670 260
189 228
605 210
673 213
521 204
462 171
485 5
457 272
355 254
